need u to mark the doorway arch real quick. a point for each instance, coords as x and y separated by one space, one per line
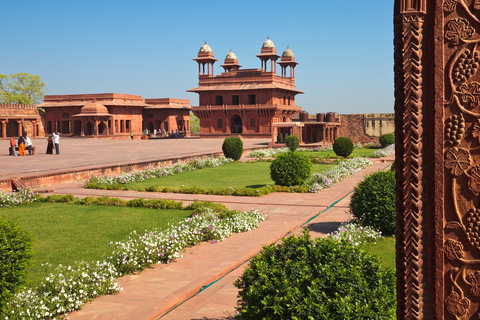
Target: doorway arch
89 128
236 125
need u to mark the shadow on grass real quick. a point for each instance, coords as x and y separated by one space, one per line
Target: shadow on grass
323 227
255 186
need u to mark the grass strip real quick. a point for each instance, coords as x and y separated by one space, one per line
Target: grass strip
64 233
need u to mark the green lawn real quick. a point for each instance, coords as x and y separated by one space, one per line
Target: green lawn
385 250
357 152
65 233
236 175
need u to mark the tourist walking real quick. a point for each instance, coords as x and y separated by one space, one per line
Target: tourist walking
21 146
49 145
13 144
131 135
28 144
56 141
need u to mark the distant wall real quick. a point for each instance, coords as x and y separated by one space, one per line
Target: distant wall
366 128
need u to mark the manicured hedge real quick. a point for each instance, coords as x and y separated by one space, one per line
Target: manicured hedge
291 169
373 202
343 146
316 279
15 257
233 148
387 139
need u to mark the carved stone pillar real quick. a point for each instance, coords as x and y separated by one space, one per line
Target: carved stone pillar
437 133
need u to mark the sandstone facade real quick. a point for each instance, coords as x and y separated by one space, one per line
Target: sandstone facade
20 119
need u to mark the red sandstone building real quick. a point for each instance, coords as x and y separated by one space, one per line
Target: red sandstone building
19 119
245 102
113 114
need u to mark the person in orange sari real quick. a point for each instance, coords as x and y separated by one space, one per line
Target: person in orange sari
21 146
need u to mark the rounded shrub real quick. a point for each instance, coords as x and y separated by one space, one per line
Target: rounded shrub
16 253
387 139
292 142
316 279
232 148
343 146
373 202
290 169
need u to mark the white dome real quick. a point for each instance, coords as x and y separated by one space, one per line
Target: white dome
268 43
231 55
287 53
205 48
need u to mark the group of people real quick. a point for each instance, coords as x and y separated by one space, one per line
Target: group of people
53 142
24 143
164 133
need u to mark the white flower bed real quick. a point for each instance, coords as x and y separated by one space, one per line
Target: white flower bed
355 233
344 169
137 176
267 153
385 152
156 246
67 288
11 199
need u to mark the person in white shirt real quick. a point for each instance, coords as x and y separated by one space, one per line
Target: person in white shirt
56 141
28 144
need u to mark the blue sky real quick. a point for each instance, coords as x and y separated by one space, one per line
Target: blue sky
344 48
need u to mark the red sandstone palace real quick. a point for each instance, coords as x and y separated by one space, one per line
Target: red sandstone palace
113 114
245 102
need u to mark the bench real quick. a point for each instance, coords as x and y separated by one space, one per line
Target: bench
34 150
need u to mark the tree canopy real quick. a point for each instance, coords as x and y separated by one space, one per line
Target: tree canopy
194 124
21 88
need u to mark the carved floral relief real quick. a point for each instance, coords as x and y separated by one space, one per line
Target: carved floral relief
462 159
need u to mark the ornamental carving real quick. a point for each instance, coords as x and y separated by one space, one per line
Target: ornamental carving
458 29
456 304
461 150
450 5
466 66
454 249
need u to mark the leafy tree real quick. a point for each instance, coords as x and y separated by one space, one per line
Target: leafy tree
194 124
21 88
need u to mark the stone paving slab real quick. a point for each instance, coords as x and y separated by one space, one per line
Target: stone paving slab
152 293
85 153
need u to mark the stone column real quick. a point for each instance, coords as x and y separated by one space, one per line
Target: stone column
19 128
4 128
82 128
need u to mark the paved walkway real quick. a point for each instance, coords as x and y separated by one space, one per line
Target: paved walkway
174 291
85 153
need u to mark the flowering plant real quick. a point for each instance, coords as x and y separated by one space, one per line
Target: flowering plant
344 169
142 175
384 152
11 199
355 233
